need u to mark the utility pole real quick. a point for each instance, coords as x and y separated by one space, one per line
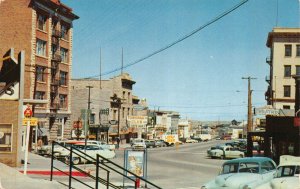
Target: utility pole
88 115
250 123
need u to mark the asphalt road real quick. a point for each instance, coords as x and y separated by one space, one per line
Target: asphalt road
184 167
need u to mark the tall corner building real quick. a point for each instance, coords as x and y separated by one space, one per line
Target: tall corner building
44 30
284 62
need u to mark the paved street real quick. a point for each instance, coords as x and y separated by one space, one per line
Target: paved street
184 167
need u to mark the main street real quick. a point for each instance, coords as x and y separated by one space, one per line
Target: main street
183 167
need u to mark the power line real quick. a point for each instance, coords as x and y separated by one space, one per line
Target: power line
177 41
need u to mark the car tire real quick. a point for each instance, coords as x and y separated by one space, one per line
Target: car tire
241 155
222 157
76 160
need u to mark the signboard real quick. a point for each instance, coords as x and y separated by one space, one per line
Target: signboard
266 111
135 163
137 121
10 76
33 121
77 124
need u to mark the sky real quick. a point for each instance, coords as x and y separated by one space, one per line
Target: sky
199 77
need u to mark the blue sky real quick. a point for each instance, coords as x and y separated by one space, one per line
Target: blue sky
198 77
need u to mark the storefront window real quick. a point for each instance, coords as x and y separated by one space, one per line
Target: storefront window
5 138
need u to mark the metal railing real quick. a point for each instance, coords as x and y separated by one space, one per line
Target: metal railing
101 164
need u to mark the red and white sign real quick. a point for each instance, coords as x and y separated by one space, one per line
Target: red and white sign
28 112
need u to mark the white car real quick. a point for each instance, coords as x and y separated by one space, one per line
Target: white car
243 173
191 141
91 150
287 174
225 152
138 143
101 144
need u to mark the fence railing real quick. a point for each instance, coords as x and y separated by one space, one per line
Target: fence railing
101 164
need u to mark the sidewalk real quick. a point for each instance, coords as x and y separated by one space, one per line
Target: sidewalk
13 178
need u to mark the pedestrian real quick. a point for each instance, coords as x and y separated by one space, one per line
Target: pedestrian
118 142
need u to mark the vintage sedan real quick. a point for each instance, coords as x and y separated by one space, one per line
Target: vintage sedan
243 173
225 152
91 150
287 174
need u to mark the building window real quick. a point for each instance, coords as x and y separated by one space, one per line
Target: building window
41 22
123 95
286 107
288 50
6 137
128 97
287 91
64 54
41 47
297 50
287 71
64 32
92 118
40 72
62 101
123 112
63 78
128 112
115 115
297 70
39 95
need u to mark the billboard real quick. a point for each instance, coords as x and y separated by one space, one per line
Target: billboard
137 121
9 76
135 163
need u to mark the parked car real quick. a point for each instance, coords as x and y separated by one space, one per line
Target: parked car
150 143
102 144
92 151
287 174
189 140
160 143
243 173
138 143
225 152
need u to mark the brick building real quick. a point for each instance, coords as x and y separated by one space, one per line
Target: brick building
43 29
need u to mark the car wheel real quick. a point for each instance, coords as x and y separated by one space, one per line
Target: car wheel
76 160
241 155
222 157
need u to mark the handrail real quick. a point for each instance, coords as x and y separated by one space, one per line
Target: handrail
101 163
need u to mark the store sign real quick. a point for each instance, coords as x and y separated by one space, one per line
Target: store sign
266 111
137 121
33 121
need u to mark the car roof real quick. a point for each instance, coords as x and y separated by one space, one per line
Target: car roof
249 159
286 160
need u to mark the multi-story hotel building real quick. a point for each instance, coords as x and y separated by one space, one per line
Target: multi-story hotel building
284 61
44 30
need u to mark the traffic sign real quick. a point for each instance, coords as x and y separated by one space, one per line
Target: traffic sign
28 112
33 121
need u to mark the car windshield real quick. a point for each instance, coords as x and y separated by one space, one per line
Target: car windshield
250 167
288 171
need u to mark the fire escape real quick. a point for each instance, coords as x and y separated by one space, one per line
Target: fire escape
269 92
55 61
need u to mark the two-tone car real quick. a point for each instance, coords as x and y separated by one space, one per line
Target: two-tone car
88 153
225 151
243 173
287 174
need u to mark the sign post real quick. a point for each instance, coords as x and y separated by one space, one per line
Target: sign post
29 121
